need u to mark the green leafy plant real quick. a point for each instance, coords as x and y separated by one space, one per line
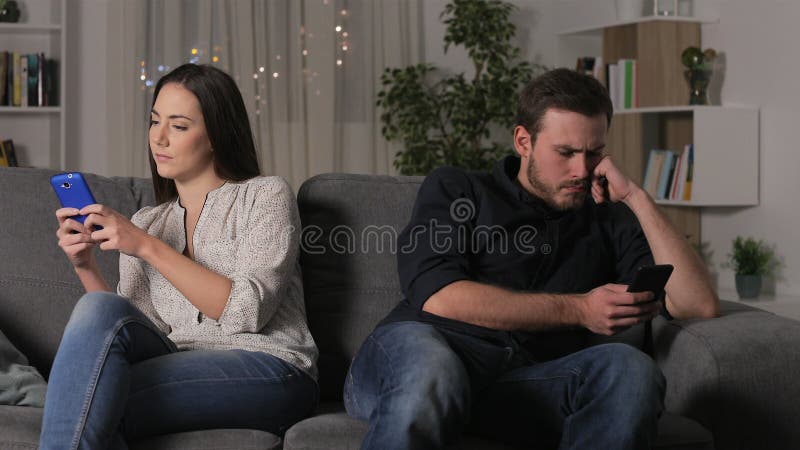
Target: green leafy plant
448 120
751 257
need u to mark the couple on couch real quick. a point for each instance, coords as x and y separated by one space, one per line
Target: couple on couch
207 328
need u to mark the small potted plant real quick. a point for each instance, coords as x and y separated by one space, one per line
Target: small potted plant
751 260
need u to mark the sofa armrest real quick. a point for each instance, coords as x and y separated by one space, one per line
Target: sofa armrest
737 374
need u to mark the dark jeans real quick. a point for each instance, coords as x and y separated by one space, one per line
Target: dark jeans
420 387
117 377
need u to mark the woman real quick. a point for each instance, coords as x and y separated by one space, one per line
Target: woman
209 327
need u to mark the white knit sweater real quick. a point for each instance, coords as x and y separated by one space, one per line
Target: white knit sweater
250 233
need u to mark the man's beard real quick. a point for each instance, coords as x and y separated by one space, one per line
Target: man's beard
549 194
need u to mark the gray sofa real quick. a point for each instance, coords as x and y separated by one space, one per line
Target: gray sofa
731 380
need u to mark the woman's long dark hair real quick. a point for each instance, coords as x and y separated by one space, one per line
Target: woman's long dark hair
226 121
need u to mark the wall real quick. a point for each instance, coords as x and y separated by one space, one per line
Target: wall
761 69
86 86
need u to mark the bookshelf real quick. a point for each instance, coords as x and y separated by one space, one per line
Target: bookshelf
39 133
725 138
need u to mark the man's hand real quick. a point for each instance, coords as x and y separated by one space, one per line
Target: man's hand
619 185
610 309
118 232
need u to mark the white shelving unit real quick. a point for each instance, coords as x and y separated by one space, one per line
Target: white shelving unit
725 142
725 138
39 133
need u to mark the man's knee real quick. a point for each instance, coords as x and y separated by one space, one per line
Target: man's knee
628 369
412 368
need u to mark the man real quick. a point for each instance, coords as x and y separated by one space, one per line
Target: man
505 275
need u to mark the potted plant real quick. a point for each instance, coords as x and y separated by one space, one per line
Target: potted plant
450 120
751 260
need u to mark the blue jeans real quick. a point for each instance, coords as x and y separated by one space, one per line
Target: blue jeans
420 387
117 378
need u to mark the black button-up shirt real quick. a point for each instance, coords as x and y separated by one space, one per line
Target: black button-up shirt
485 227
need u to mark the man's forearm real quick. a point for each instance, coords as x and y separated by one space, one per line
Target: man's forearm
500 309
689 291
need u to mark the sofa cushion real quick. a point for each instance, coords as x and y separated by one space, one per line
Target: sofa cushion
332 428
20 384
36 280
350 228
222 439
21 426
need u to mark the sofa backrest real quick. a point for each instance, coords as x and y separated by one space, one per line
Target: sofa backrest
350 228
38 287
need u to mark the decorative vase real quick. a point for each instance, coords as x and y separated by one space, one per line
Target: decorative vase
748 286
698 80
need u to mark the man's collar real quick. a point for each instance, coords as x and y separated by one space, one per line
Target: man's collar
505 174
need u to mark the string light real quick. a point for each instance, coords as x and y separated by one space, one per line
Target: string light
274 74
345 34
215 59
194 51
261 69
255 76
344 12
338 62
344 48
305 52
338 28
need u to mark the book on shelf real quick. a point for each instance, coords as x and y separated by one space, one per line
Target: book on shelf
668 174
8 155
28 79
3 74
673 190
621 79
663 177
16 80
33 80
655 165
687 188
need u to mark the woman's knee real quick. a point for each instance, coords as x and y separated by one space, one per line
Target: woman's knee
99 308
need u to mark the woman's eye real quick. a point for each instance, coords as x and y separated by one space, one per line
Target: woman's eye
180 128
153 122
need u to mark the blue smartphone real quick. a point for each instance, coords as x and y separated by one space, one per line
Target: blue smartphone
72 192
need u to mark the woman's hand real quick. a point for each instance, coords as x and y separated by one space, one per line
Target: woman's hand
75 239
118 232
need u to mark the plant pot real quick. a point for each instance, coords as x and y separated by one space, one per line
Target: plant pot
748 286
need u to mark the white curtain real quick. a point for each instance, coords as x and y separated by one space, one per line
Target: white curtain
309 72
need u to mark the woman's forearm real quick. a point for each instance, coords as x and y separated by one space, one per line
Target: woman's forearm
92 279
207 290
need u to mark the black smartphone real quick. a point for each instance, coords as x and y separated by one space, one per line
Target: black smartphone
72 192
652 279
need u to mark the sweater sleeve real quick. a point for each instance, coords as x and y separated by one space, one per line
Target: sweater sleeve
266 261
